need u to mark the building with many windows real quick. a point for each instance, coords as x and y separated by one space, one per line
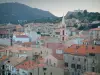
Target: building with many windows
82 58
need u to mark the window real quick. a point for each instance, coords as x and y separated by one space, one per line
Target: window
62 38
73 58
93 61
84 60
58 33
78 66
41 52
49 61
44 73
79 59
12 68
72 73
85 68
9 73
66 64
54 64
78 73
51 73
63 32
3 67
93 69
44 69
72 65
30 73
92 54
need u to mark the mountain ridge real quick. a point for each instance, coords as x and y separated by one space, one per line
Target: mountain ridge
17 13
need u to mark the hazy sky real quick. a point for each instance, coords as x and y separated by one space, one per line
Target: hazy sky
58 7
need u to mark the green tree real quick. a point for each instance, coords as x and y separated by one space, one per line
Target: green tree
85 12
80 15
75 25
81 27
98 18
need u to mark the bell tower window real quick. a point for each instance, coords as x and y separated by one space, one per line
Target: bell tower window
63 32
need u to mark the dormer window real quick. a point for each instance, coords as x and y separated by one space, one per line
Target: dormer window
41 52
73 58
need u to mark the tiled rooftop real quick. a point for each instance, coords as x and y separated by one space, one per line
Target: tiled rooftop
29 65
91 73
58 56
15 60
19 33
95 29
22 36
82 49
17 48
3 57
3 32
54 46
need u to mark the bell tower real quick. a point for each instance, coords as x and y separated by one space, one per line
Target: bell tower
63 29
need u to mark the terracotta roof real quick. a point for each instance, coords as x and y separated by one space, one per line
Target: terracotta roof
41 60
58 30
82 49
22 36
16 48
19 33
34 43
15 60
86 40
44 37
55 46
58 56
18 26
3 32
2 50
24 48
3 57
27 43
91 73
29 65
96 29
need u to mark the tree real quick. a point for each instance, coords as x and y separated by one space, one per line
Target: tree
98 18
75 25
81 27
85 12
71 16
80 15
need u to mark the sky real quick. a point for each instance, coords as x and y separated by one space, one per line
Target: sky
60 7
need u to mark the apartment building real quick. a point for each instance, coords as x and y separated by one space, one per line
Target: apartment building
82 58
32 68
